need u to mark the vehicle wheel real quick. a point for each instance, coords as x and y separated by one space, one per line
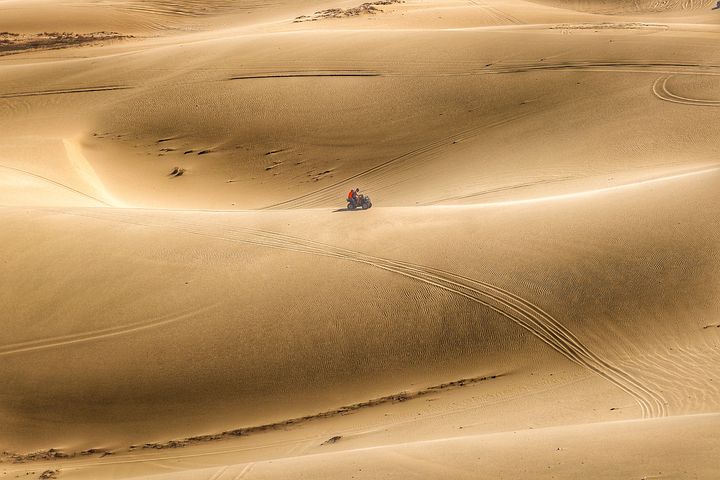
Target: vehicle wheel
351 206
365 205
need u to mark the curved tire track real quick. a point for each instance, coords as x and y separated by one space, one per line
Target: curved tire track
329 192
522 312
661 91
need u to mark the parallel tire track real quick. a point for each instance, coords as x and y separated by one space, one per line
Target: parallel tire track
623 66
100 334
504 188
245 471
497 14
528 315
220 472
306 74
661 91
513 307
329 192
66 91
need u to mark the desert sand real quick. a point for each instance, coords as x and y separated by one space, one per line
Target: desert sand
535 292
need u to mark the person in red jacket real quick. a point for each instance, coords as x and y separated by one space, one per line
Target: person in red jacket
354 197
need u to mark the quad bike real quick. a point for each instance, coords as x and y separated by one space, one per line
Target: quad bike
363 201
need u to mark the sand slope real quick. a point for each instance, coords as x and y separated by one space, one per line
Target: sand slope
546 453
535 289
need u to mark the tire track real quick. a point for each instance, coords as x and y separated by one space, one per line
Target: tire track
57 184
188 8
528 315
100 334
66 91
306 74
471 69
504 188
245 471
500 16
661 91
511 306
329 192
220 472
452 68
591 65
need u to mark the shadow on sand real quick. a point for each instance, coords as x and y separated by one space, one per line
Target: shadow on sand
347 210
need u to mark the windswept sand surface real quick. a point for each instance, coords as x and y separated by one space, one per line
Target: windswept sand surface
534 294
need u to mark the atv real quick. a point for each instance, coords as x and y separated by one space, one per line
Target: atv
363 201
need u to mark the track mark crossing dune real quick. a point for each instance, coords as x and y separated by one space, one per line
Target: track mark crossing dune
100 334
56 183
661 91
66 91
83 169
245 471
220 472
328 193
497 15
511 306
640 66
186 8
306 74
564 196
472 68
504 188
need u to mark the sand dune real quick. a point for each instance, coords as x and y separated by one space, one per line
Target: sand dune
550 453
534 292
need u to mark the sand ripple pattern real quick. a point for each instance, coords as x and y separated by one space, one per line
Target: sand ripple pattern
524 313
661 91
687 374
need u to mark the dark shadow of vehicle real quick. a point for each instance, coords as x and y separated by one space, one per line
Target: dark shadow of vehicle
351 211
